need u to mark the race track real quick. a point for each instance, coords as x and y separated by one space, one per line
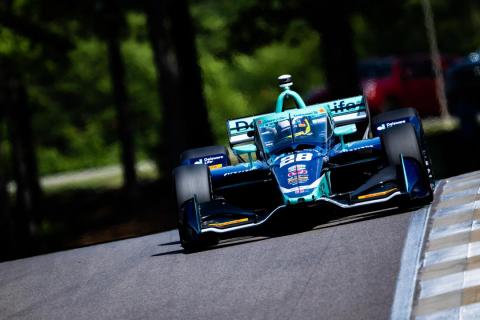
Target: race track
342 271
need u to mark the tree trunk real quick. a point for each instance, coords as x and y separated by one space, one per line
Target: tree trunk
168 80
332 21
184 114
7 228
120 97
191 77
117 73
28 194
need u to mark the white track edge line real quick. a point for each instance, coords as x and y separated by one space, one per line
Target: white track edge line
410 264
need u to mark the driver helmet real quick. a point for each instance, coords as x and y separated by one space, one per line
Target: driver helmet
301 126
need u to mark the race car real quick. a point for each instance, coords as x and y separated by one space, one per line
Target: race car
319 156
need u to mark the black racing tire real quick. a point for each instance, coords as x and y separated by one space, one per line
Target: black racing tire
401 139
193 181
204 152
188 240
409 113
193 243
190 181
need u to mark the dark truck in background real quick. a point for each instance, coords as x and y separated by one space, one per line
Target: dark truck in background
397 82
463 93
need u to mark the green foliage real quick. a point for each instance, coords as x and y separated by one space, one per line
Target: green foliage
73 116
142 88
397 27
70 94
243 84
86 149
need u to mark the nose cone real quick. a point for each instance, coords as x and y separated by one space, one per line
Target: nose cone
298 175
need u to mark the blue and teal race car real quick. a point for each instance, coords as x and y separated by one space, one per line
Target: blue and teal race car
319 156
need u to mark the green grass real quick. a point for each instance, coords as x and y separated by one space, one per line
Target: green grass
90 180
433 126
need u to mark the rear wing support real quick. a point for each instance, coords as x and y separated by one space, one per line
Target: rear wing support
348 111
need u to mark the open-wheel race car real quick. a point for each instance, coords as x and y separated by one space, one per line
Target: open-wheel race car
322 155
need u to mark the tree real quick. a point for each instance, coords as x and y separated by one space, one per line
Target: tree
185 118
113 22
7 228
267 21
6 224
332 21
28 194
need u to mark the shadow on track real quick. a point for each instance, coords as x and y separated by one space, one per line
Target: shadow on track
224 244
169 243
293 223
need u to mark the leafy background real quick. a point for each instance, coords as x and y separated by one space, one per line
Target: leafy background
73 116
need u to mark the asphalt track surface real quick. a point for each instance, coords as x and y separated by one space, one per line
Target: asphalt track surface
340 271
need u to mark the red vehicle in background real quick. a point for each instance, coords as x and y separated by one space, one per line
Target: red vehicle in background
396 82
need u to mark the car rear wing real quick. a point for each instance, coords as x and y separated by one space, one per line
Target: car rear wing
352 110
240 131
347 111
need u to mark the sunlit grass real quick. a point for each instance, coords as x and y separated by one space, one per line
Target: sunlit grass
109 177
440 125
99 178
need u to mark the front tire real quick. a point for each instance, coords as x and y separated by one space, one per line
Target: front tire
414 119
402 140
192 182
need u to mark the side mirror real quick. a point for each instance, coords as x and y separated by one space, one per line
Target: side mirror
345 130
244 149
